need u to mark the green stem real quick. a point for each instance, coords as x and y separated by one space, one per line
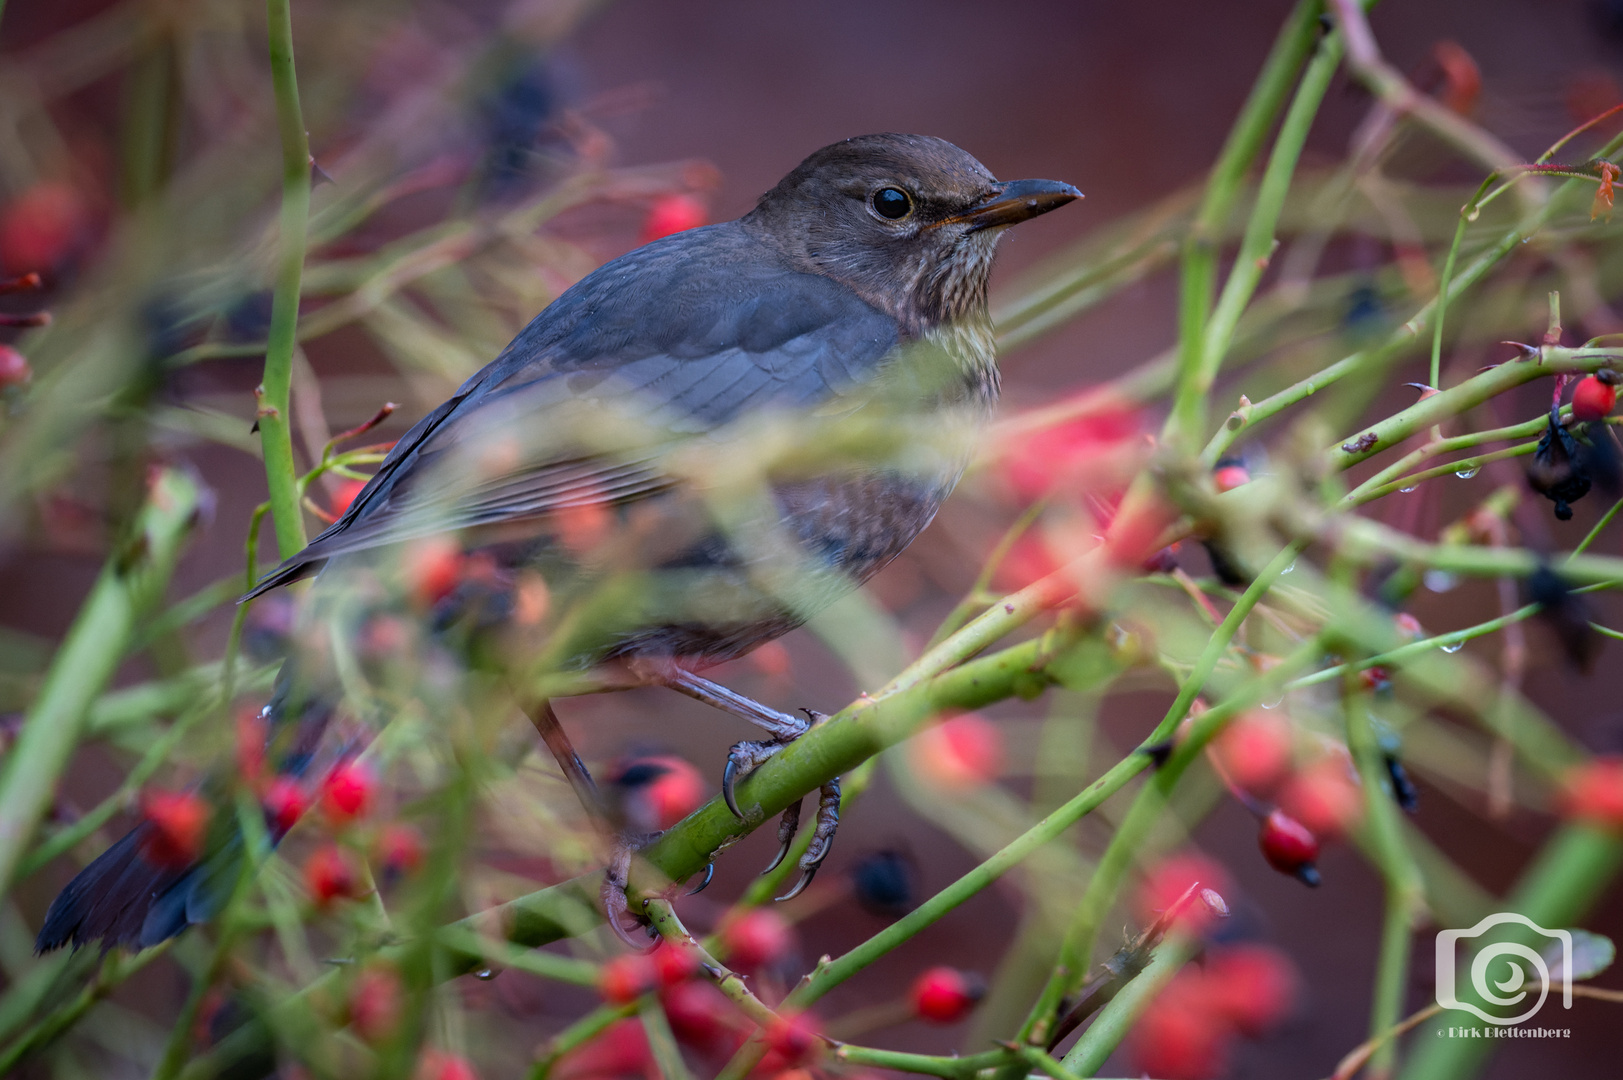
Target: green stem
1072 963
1405 895
1199 268
275 421
1116 1019
1256 247
133 579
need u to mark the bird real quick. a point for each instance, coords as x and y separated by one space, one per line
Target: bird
843 320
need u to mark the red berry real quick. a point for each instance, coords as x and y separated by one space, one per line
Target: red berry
347 793
344 494
1254 750
656 792
673 964
399 849
1182 1035
285 803
1078 455
701 1017
43 228
375 1003
178 822
1252 985
1229 475
946 995
330 874
1593 792
438 1065
672 214
620 1052
627 978
1325 796
1376 680
756 938
965 751
1167 882
433 568
1289 847
793 1039
14 369
1592 399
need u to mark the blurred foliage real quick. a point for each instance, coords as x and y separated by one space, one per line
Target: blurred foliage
1159 536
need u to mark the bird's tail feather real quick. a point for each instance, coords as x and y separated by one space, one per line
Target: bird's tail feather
125 898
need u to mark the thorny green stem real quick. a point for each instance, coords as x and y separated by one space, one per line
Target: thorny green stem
1116 1019
1076 949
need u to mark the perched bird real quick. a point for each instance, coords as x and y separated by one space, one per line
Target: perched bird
692 450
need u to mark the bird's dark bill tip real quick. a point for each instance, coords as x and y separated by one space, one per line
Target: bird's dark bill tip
1017 201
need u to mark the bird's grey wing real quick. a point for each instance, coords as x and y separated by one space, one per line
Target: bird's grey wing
693 331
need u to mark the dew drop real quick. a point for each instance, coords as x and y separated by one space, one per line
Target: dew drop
1466 474
1455 647
485 974
1289 568
1274 704
1440 580
1408 489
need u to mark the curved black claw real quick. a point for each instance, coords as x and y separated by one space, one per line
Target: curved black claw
828 821
788 825
709 873
729 780
613 895
800 886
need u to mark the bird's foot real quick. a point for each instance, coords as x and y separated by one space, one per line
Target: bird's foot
828 821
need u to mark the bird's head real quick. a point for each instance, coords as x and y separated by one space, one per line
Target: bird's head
907 221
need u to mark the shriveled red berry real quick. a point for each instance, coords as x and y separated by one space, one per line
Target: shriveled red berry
756 938
674 965
1592 399
946 995
375 1003
285 803
672 214
330 874
1289 847
627 978
399 849
347 792
1252 985
14 369
177 824
1593 792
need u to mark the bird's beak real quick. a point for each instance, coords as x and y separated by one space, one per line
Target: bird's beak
1014 202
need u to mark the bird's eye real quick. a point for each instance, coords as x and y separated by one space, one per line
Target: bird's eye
892 203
